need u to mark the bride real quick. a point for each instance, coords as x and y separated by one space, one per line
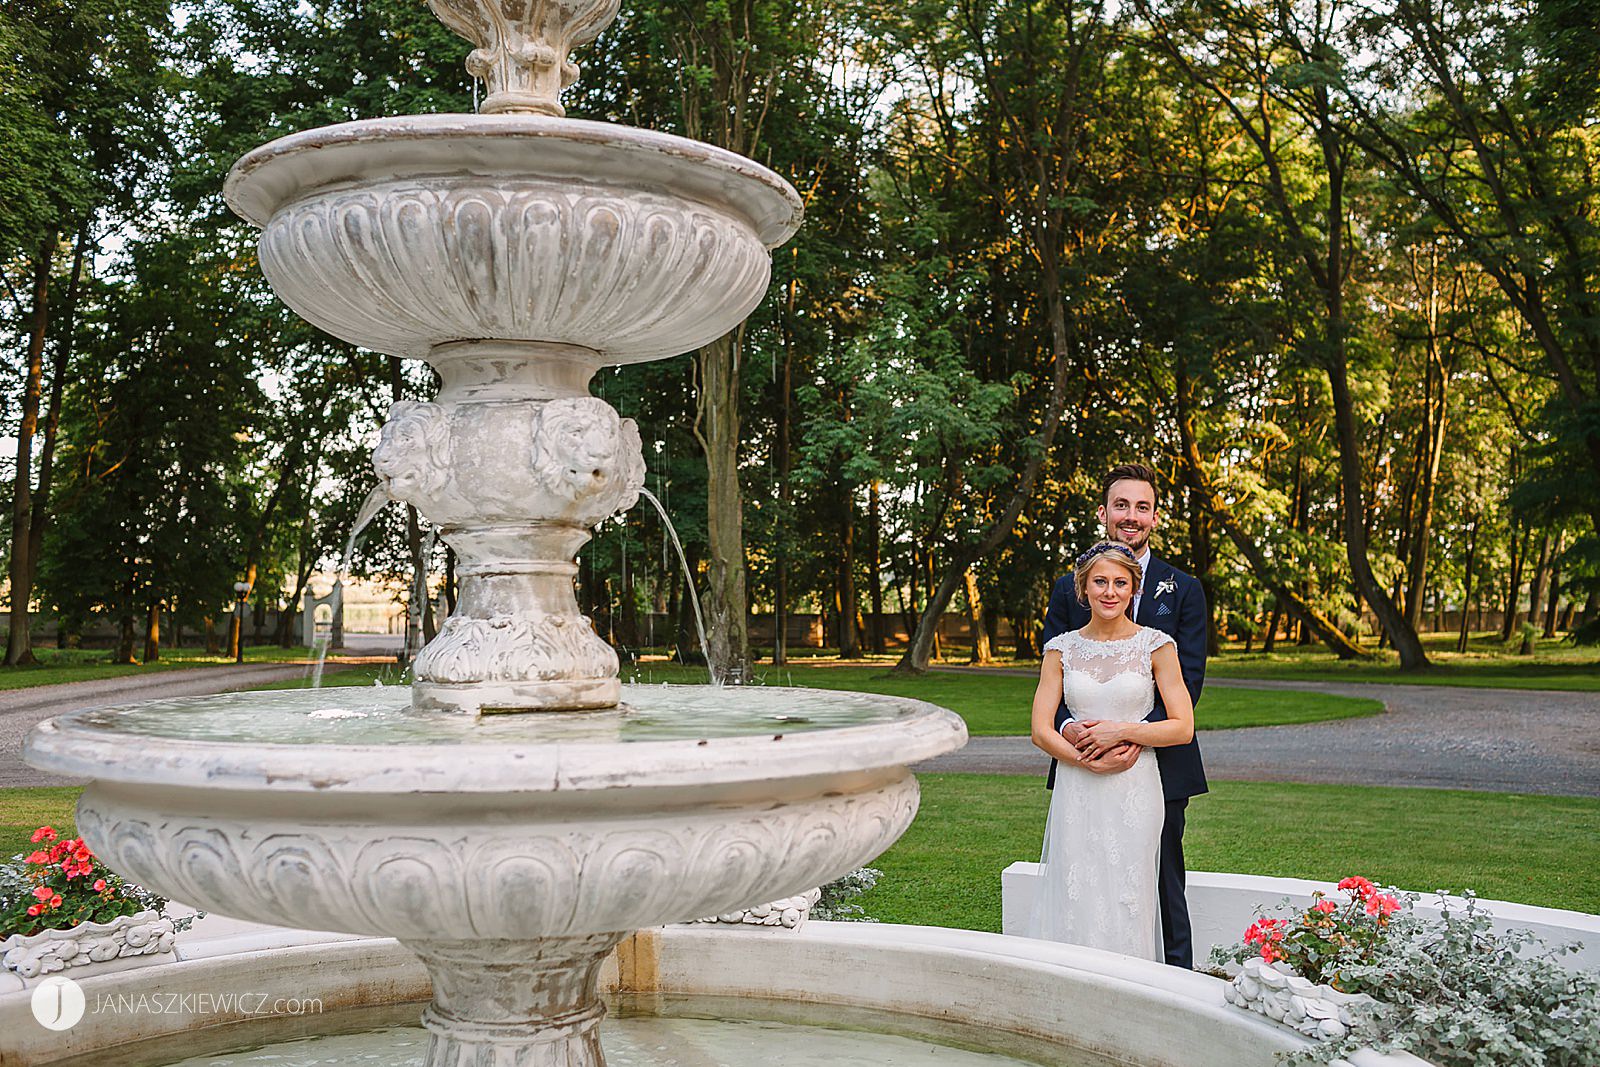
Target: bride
1097 884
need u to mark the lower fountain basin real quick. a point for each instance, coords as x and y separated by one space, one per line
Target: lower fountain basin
344 810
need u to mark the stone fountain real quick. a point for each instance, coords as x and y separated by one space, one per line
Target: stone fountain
517 251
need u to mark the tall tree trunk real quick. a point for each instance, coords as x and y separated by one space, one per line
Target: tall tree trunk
716 427
152 633
1519 553
690 649
1022 638
875 566
1063 350
19 644
1436 417
1554 596
1261 566
981 650
629 632
847 599
124 650
65 334
1200 559
1541 575
1400 631
1466 595
780 569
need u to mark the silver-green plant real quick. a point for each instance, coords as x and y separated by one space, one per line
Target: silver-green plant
1457 993
835 903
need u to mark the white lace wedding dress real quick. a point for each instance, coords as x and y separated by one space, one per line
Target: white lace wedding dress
1102 840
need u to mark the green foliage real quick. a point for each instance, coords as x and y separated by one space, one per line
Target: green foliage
62 884
837 903
1457 993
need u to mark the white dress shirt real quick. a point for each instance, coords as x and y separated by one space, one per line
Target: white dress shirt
1144 570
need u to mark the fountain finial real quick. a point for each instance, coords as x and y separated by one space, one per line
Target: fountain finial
522 46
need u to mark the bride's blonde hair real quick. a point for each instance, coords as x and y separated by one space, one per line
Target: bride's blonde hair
1114 551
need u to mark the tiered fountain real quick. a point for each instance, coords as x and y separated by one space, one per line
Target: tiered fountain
517 251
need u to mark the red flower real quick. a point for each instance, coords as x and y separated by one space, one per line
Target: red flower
1270 954
55 901
42 892
43 833
1382 905
1326 907
34 909
1361 886
100 884
39 857
1265 931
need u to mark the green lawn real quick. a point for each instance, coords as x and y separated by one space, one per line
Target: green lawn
995 704
946 870
1543 850
58 665
24 810
1486 663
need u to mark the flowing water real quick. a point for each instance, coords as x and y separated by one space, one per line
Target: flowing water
688 581
375 502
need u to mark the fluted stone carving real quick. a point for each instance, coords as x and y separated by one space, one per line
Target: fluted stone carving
399 266
523 45
443 878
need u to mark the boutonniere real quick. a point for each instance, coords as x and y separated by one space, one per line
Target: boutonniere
1165 585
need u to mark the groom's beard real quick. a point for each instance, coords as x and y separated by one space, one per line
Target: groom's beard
1134 546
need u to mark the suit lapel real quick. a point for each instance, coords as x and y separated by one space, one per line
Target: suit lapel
1147 596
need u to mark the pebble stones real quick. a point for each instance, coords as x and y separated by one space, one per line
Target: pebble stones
1318 1011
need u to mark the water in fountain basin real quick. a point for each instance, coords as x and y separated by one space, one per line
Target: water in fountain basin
706 1031
688 581
373 715
375 502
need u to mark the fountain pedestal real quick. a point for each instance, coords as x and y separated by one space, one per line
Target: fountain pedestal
515 1003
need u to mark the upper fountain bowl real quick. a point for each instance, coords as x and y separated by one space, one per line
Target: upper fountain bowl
402 234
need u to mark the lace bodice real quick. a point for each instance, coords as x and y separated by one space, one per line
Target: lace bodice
1108 679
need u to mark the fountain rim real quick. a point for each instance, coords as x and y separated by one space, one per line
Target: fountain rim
65 746
411 147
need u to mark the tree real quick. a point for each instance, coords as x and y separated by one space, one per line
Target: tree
85 119
1274 65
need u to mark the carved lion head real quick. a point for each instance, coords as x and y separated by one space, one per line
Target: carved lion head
413 453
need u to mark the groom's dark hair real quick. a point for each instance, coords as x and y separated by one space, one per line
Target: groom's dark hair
1128 472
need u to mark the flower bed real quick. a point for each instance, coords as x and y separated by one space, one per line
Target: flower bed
61 907
1367 971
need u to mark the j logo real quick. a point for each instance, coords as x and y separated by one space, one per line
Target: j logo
58 1003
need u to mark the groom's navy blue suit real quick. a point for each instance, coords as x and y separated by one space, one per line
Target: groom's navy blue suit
1174 603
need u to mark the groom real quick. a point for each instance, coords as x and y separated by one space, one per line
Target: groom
1172 602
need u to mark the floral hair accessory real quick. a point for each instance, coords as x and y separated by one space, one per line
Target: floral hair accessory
1100 548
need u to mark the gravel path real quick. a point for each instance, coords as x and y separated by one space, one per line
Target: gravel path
1496 740
20 709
